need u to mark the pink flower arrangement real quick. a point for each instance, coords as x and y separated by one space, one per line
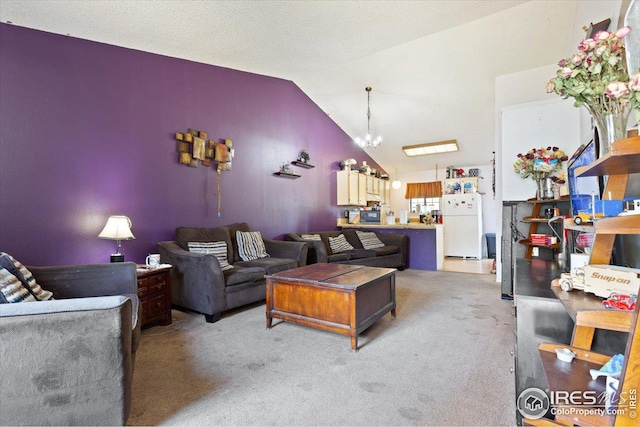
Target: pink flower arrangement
597 76
540 163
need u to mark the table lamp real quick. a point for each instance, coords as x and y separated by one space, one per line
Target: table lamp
118 228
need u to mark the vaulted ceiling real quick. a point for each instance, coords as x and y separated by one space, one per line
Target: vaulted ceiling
431 64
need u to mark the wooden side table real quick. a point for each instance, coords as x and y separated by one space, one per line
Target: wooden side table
154 292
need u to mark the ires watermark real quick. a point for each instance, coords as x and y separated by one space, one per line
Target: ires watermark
534 403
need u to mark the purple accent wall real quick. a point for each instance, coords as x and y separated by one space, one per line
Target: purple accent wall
87 131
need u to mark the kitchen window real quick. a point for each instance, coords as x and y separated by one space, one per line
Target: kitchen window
425 204
424 197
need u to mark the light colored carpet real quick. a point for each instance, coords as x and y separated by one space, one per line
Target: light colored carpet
444 360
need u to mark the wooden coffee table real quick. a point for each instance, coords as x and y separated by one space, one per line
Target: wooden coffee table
340 298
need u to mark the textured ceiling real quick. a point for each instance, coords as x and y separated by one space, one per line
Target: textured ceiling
431 64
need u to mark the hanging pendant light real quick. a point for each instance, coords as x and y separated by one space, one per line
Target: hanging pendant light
396 184
368 141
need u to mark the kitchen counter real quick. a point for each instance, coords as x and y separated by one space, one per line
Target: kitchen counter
425 251
411 225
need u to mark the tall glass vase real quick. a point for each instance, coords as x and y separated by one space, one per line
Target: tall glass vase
611 128
545 188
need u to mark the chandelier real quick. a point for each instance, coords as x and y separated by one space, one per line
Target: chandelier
368 141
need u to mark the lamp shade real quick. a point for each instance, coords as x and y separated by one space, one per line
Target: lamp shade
118 228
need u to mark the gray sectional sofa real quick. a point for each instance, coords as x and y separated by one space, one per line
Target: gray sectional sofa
392 255
70 361
198 282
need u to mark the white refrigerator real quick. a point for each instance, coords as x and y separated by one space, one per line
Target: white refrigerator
462 219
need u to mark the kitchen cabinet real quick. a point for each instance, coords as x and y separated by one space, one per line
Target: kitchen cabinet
351 188
373 186
356 189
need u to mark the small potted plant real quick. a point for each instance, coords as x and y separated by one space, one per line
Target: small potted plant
304 156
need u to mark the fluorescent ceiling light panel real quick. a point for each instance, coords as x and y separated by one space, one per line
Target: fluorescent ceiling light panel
431 148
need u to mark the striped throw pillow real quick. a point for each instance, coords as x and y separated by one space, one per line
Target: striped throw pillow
250 245
339 244
369 239
217 249
24 276
310 237
12 288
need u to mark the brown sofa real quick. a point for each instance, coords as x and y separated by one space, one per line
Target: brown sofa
198 283
392 255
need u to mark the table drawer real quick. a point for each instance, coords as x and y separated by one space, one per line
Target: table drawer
157 306
157 284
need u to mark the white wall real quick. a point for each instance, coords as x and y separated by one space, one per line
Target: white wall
554 122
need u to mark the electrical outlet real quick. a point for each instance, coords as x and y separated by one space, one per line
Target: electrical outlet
535 252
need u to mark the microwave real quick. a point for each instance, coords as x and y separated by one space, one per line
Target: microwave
370 217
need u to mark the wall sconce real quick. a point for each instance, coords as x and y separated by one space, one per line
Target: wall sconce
118 228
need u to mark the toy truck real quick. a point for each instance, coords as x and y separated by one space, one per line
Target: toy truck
599 209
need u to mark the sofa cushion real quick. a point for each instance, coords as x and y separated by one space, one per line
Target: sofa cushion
184 235
250 245
243 274
362 253
344 256
17 269
369 239
310 237
339 244
270 265
386 250
217 249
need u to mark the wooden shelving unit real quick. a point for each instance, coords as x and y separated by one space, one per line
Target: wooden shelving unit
623 159
535 219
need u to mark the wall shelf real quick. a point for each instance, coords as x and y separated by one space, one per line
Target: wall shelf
302 164
287 175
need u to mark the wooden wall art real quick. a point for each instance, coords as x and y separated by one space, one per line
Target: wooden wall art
195 146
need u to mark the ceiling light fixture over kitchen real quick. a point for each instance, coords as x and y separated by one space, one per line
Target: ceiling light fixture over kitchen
368 142
431 148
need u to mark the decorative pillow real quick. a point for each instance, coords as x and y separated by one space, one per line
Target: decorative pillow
310 237
339 244
21 272
250 245
217 249
369 239
12 289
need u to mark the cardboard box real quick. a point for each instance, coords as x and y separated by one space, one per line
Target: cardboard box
603 280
